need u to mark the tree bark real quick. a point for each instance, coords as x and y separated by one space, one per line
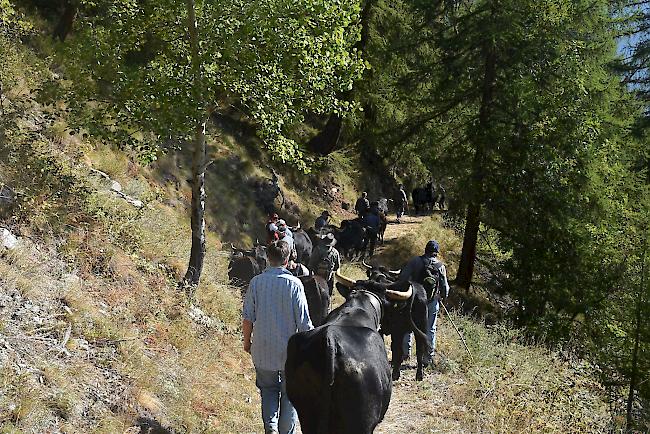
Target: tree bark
637 337
64 26
468 255
473 221
197 251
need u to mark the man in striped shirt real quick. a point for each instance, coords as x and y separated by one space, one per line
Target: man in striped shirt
275 308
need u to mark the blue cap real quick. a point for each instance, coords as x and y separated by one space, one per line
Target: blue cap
432 247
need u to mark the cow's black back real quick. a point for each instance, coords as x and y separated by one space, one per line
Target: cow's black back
304 246
242 269
338 378
318 298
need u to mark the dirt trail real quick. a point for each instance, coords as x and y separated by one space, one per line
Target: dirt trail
413 404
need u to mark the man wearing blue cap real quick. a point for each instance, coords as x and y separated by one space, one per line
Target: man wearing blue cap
429 271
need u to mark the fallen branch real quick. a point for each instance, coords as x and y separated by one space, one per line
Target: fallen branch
457 331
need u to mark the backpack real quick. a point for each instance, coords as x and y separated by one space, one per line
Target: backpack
431 280
325 266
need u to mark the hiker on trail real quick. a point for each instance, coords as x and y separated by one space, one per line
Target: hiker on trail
362 205
372 223
322 221
401 203
272 228
283 227
284 235
325 259
431 273
441 196
275 308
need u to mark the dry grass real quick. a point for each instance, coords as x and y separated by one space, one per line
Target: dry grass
141 358
513 385
409 238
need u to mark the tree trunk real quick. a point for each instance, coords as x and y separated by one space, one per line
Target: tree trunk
197 252
637 337
327 140
468 255
64 26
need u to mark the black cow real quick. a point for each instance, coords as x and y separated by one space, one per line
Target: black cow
380 208
402 318
338 375
246 264
303 245
424 198
350 237
318 298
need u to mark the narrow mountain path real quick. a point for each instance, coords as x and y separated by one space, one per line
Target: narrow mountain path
413 403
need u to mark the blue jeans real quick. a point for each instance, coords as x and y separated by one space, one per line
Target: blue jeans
278 413
432 317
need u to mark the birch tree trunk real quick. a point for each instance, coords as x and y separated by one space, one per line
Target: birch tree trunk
197 251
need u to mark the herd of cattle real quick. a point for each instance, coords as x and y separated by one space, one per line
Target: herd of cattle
337 375
351 242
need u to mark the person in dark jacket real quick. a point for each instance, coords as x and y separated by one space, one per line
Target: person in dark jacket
372 223
322 221
401 203
415 271
362 205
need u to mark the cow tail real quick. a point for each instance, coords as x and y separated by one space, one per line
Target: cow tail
415 328
330 372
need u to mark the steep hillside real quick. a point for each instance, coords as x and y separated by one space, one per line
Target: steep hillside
97 337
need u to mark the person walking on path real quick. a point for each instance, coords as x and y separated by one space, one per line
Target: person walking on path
272 228
325 259
322 221
401 203
363 205
372 223
430 272
275 308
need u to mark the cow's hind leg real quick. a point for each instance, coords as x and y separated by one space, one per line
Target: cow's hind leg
397 349
421 350
422 343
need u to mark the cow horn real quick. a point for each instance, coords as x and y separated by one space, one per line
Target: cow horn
345 281
395 272
369 267
398 295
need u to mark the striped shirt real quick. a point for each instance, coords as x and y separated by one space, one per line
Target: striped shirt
276 305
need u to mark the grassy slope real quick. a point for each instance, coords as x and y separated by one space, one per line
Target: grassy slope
95 334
